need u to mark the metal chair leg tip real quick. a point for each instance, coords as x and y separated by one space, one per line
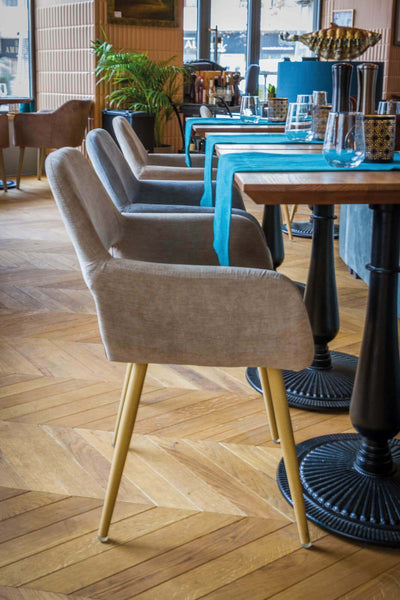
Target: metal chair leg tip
277 441
103 540
307 546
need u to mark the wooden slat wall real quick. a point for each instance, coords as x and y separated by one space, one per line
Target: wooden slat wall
160 43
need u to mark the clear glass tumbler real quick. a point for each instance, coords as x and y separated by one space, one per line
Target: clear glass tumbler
299 121
250 109
305 98
389 107
344 144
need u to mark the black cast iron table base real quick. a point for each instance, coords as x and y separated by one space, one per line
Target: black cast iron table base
316 389
341 496
304 229
10 184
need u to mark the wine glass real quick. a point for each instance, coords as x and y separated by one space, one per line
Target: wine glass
299 121
344 144
250 109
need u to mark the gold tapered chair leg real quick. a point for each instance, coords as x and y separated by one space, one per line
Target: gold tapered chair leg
269 407
128 373
20 163
285 430
128 418
293 212
3 171
42 155
285 211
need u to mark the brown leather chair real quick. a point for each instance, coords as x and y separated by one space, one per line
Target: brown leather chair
64 126
4 143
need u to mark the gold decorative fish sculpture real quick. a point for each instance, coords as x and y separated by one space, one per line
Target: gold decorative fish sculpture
336 42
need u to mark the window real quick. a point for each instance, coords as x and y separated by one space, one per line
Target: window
15 49
248 31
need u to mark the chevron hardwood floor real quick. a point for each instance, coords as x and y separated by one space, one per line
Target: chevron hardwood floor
199 514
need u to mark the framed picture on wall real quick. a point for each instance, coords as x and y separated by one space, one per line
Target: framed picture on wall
145 13
343 18
396 29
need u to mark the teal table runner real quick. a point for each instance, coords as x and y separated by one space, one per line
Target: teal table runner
213 121
241 138
246 162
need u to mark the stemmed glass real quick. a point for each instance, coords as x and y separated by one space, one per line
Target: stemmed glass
344 144
250 109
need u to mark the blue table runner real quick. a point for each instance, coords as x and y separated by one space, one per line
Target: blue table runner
229 164
241 138
213 121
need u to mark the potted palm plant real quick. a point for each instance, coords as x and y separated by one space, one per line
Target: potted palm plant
140 83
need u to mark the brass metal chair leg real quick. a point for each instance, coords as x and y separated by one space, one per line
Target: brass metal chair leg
20 163
285 211
285 430
293 212
128 373
269 407
127 423
42 155
3 171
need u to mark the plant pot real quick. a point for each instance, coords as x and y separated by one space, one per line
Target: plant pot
141 122
164 149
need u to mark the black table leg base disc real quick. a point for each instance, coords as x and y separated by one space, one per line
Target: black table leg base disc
342 500
313 389
10 184
305 229
330 390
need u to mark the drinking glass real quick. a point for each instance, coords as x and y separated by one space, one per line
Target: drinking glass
305 98
299 121
344 144
319 97
389 107
250 109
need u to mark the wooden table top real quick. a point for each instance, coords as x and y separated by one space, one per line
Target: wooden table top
202 130
319 187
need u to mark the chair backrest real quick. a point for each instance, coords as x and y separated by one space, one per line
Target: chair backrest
62 127
205 112
131 146
4 138
92 221
251 86
112 168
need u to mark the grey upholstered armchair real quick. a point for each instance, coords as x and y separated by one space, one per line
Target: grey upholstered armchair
132 195
169 312
154 166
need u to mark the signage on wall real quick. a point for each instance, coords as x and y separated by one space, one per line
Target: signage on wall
145 13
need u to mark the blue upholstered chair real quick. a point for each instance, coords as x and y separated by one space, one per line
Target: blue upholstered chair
132 195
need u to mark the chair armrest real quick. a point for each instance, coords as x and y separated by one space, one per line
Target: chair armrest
178 192
187 238
177 173
177 160
181 314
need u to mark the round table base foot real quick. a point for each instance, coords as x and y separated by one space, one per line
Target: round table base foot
315 389
10 184
342 499
305 229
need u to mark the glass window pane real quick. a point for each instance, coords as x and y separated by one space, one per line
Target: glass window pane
189 30
277 16
231 20
15 50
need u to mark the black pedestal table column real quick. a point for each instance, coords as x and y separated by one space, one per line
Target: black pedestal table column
352 481
326 385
